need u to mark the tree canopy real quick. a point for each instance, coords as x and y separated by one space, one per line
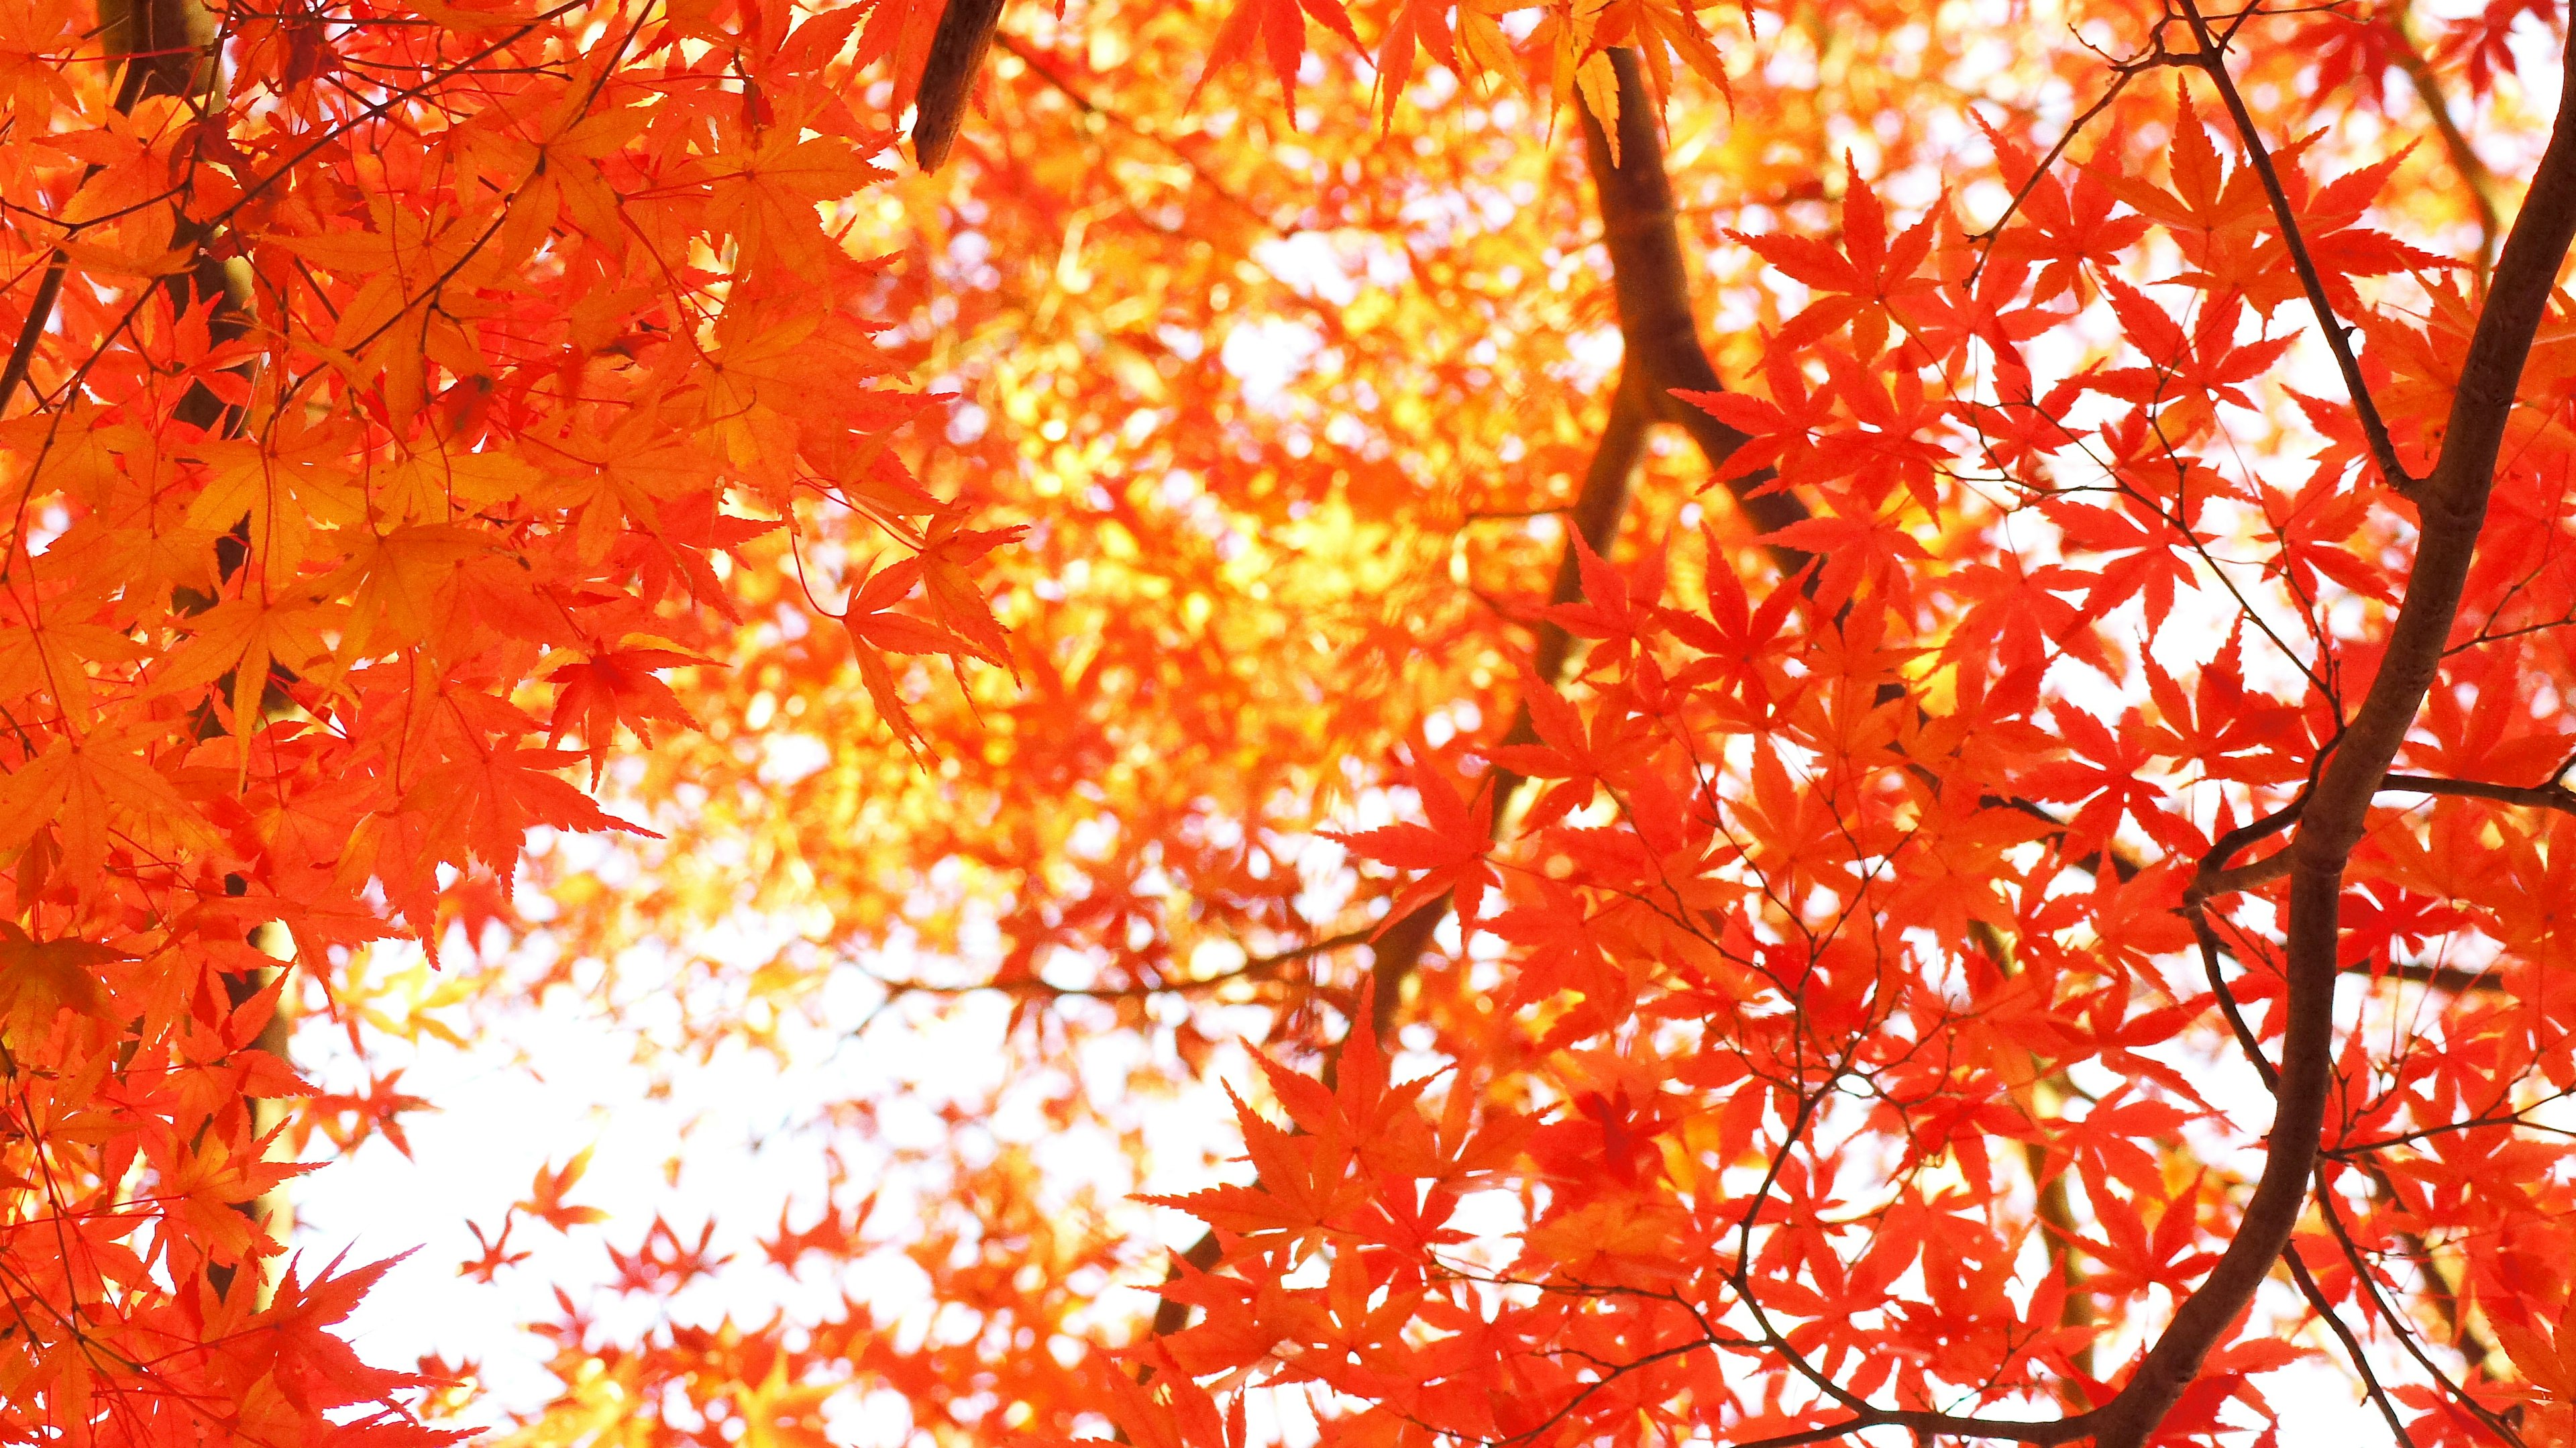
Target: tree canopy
1825 722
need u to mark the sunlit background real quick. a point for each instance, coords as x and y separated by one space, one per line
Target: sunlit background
740 1076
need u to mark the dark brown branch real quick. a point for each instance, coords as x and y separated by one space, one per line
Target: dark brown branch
2439 1289
2211 882
1657 328
1652 288
2206 936
40 314
1661 352
2368 1280
2352 1351
40 309
2212 60
1656 321
2453 502
2545 796
948 77
172 48
2440 977
2213 876
2226 847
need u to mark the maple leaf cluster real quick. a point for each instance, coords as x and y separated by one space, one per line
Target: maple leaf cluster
1851 890
1862 961
393 392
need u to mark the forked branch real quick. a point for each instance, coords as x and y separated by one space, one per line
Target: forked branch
2453 501
1661 352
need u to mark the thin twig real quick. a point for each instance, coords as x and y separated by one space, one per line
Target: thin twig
2351 1345
1254 968
2369 1281
2545 796
2212 61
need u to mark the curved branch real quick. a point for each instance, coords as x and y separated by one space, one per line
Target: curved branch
1660 351
2213 881
1657 328
2546 796
2453 500
1663 353
2352 1349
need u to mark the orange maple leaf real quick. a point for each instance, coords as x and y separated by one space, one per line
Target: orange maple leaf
613 687
545 1199
1279 26
491 802
1450 850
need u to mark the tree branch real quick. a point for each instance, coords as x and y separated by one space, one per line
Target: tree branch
2455 143
2252 876
1659 338
173 48
2352 1351
2453 501
40 309
2545 796
1657 328
2213 61
1661 352
948 77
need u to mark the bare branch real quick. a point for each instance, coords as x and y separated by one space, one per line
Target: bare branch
2546 796
2352 1351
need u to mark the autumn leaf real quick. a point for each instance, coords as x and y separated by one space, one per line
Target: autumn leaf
394 582
1834 789
1423 23
1279 27
39 977
614 687
488 804
767 193
948 555
545 1199
1450 849
247 639
873 623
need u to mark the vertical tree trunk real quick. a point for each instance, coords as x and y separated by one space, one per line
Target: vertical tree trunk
173 48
